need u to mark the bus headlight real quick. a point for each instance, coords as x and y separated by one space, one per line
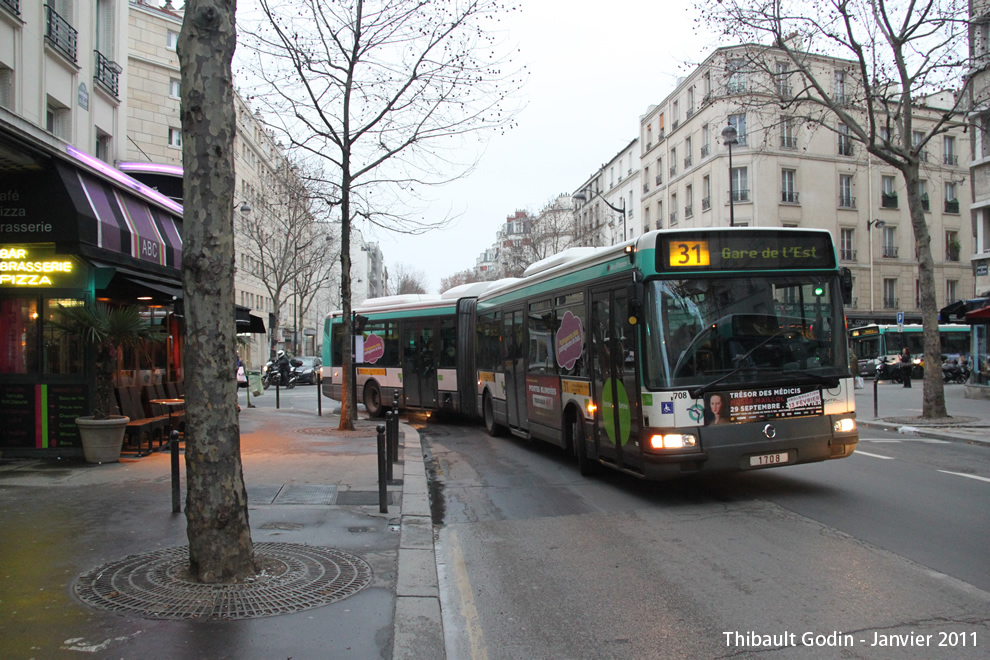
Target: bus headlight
845 425
673 441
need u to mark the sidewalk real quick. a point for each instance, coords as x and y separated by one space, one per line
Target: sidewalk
899 408
61 519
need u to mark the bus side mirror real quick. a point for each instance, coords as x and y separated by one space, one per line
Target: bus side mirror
846 277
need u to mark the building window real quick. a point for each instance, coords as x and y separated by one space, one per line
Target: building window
783 80
890 293
737 78
846 199
923 194
6 87
687 152
739 123
673 213
952 246
739 184
949 144
175 88
706 191
57 120
889 242
660 215
847 245
673 161
688 201
706 144
103 146
840 88
951 203
171 40
845 141
788 140
788 194
175 137
951 295
888 196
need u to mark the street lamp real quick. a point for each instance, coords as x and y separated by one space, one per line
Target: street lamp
872 224
582 198
730 137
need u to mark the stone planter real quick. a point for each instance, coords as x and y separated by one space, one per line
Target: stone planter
102 438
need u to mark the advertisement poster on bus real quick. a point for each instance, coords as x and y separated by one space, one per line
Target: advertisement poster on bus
758 404
374 349
543 399
569 341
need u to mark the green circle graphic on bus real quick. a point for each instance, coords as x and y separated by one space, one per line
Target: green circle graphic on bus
609 409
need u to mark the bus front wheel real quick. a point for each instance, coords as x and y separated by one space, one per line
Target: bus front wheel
491 425
586 466
373 400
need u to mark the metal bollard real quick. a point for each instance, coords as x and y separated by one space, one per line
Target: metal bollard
389 457
174 446
276 396
394 437
319 394
382 482
875 382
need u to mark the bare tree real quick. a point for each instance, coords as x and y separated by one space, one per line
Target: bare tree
901 56
220 546
405 280
464 277
384 91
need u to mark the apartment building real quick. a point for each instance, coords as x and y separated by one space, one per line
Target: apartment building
263 174
786 172
607 204
74 230
980 143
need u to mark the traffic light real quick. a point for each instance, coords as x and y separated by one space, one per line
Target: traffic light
359 322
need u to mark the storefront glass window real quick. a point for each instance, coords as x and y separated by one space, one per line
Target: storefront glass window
19 336
64 353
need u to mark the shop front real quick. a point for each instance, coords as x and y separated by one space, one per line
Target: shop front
74 231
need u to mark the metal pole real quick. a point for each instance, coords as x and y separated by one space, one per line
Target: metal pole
732 196
382 483
395 427
277 400
319 394
389 456
174 447
876 380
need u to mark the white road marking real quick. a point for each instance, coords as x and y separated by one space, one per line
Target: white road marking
866 453
968 476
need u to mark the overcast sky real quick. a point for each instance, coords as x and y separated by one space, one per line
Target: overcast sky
594 70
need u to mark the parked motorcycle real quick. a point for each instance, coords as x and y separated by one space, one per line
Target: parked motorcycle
953 372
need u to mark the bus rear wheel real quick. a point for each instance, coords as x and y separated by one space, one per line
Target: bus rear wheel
373 400
491 425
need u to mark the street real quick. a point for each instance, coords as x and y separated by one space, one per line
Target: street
836 558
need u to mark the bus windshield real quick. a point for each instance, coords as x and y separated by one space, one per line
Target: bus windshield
715 332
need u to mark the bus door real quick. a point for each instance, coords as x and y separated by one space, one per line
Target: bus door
419 366
513 349
614 364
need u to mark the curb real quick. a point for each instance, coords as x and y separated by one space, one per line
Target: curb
418 623
922 432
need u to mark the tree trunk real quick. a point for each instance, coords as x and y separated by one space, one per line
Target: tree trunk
220 547
933 405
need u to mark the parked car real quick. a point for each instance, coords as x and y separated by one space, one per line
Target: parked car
306 372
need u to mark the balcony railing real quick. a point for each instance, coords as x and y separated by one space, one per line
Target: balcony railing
736 87
845 147
60 34
673 218
687 162
659 179
952 206
704 150
925 203
784 90
950 159
673 170
688 211
846 254
706 203
739 195
889 303
107 73
888 201
952 254
788 142
847 202
675 124
690 112
889 251
646 187
13 5
789 197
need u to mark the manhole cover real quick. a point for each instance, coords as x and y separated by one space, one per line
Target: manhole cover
157 585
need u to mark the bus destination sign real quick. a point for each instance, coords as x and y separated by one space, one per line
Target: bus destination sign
744 250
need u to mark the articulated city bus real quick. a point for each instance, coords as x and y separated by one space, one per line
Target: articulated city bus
880 345
677 353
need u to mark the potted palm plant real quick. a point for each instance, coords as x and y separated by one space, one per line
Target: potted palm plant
107 329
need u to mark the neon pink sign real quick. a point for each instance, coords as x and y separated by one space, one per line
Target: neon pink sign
570 341
374 348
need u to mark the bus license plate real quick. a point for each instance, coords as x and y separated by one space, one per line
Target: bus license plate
768 459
